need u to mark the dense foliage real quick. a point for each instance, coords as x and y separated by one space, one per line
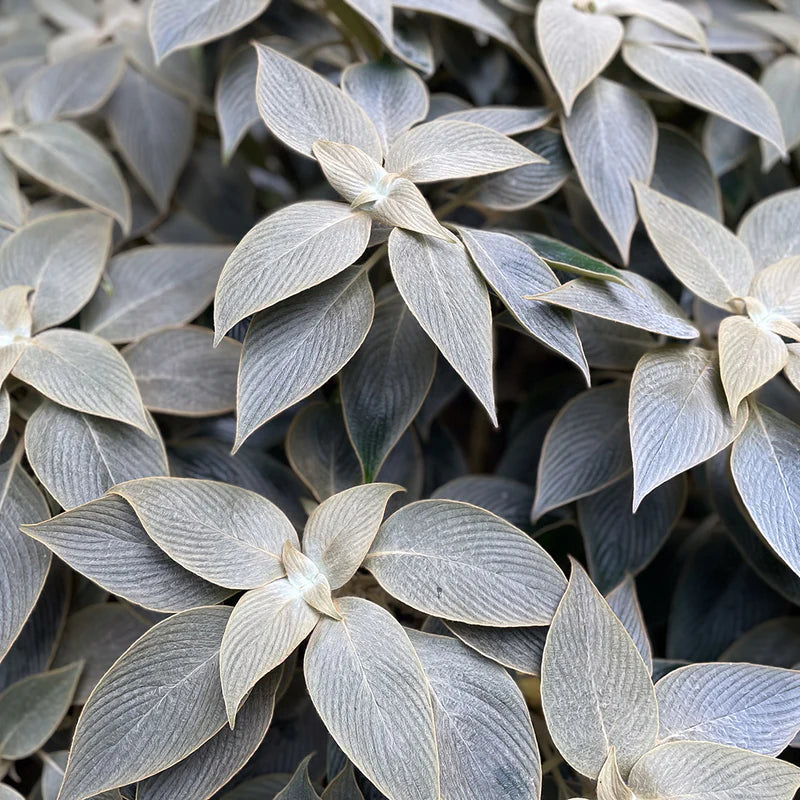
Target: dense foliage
399 399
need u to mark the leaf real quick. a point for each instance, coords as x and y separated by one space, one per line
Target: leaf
792 370
23 563
78 457
32 709
678 415
210 767
513 269
596 690
299 106
235 99
68 160
178 24
679 770
642 304
771 228
227 535
519 649
486 743
363 675
669 15
158 703
610 785
149 288
461 563
710 84
61 257
778 80
13 205
5 412
444 150
178 371
624 602
749 355
349 170
510 120
575 45
82 372
743 705
76 85
505 497
105 541
440 285
153 130
15 326
393 96
586 448
343 786
707 258
291 350
266 626
299 787
764 466
611 136
778 287
618 541
340 530
7 793
291 250
385 383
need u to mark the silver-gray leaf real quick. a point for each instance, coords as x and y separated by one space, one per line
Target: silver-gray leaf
519 649
771 228
624 603
235 99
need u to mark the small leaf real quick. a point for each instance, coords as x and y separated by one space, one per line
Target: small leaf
461 563
586 448
82 372
349 170
13 205
519 649
778 80
294 348
596 690
363 676
624 602
78 457
510 120
610 785
177 24
65 158
611 136
235 99
678 415
32 709
343 786
707 258
158 703
299 106
440 285
292 250
444 150
686 769
225 534
778 287
299 787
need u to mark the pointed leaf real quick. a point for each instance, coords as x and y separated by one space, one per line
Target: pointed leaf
610 785
105 541
778 287
779 80
519 649
793 365
624 603
227 535
506 497
343 786
300 786
596 690
235 99
671 16
13 205
771 228
509 120
363 675
461 563
348 169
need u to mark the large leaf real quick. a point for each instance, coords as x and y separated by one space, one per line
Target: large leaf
765 468
679 770
32 709
149 288
153 130
105 541
299 106
82 372
177 24
486 743
23 563
292 250
78 457
266 626
678 415
575 45
461 563
586 448
294 348
708 83
743 705
596 690
385 383
611 136
706 257
363 676
513 270
441 286
227 535
65 158
447 149
771 228
158 703
61 257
